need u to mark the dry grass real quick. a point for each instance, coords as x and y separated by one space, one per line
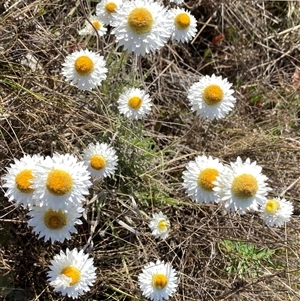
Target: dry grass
40 113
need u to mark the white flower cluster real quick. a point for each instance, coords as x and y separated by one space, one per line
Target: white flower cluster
140 26
240 186
53 188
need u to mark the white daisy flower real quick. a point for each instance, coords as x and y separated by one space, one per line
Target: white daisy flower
160 225
105 9
275 212
84 69
100 159
134 103
241 186
211 97
199 177
142 26
55 225
60 180
19 178
184 24
158 281
90 30
72 273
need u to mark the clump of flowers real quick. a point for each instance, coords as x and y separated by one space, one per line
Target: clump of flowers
158 281
277 211
53 188
160 225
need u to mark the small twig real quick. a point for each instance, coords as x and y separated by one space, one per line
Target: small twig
90 243
11 7
283 32
127 227
93 224
17 221
199 32
289 187
114 137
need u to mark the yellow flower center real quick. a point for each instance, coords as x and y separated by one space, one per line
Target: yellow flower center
72 273
84 65
55 220
244 186
163 225
97 162
206 178
213 94
159 281
135 102
59 182
110 7
23 179
96 24
140 20
182 21
272 206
